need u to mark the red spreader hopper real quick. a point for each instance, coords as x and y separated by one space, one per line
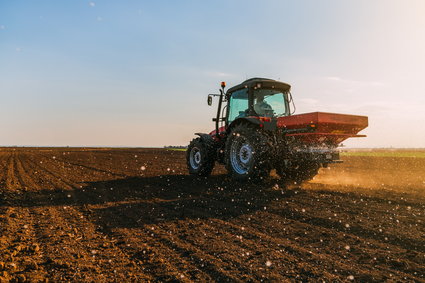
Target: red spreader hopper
321 127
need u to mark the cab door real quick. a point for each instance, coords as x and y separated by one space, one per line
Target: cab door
237 106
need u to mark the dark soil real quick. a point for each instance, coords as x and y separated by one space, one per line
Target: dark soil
134 215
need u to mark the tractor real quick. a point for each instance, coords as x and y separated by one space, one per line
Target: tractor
256 132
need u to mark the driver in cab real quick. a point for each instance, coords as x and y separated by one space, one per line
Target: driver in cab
262 108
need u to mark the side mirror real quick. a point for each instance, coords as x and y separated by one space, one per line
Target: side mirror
209 100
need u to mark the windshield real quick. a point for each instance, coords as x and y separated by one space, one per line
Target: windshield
270 103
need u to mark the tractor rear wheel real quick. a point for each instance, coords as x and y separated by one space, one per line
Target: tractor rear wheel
200 158
246 153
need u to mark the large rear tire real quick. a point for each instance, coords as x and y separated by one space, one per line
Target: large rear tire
200 158
246 153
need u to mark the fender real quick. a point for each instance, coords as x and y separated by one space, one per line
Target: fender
268 124
207 139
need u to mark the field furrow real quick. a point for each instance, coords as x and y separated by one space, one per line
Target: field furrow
75 245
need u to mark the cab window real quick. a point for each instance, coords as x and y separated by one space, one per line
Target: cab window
270 103
238 104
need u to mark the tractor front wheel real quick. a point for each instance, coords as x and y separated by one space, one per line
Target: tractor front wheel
246 154
200 158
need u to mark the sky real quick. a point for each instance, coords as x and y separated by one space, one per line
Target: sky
137 73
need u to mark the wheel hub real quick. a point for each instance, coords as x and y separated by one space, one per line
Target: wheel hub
195 158
241 153
245 153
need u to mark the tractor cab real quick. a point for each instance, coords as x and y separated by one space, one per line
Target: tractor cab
253 98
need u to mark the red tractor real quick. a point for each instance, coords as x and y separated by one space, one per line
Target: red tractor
256 132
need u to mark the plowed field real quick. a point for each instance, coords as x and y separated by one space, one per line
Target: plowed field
134 215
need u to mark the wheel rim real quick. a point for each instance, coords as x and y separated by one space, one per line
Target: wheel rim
195 158
241 154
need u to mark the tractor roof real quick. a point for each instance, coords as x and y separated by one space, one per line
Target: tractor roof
265 83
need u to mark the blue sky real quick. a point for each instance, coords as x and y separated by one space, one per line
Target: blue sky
136 73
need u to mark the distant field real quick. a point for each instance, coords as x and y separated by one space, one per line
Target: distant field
385 153
176 149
